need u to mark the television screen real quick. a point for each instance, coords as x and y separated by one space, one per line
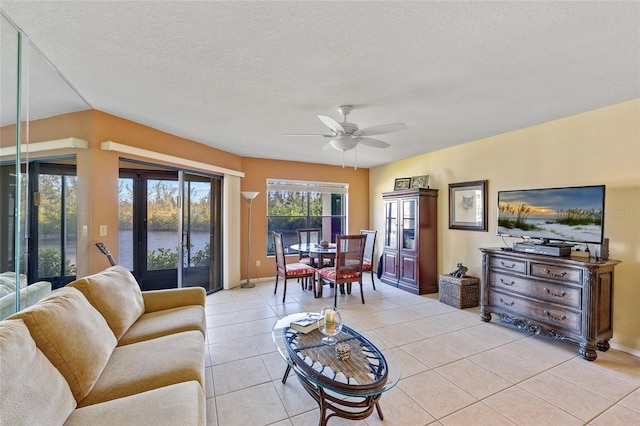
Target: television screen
572 214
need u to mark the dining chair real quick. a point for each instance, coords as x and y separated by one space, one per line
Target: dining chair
369 248
292 270
348 265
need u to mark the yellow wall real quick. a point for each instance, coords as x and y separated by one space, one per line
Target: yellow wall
597 147
257 171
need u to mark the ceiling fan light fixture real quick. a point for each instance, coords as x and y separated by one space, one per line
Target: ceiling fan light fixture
343 143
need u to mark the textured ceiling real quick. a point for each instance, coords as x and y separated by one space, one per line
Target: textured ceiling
239 75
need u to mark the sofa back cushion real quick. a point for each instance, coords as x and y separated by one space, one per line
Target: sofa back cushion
115 293
73 336
32 390
8 283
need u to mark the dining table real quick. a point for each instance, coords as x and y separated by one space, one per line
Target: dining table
317 252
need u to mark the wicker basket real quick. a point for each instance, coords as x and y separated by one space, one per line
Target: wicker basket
459 292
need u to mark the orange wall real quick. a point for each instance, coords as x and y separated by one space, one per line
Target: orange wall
258 170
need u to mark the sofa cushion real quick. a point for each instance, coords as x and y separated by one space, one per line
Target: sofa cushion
151 364
162 323
115 293
8 283
179 404
32 390
73 336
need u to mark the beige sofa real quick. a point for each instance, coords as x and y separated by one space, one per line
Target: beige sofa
29 294
101 352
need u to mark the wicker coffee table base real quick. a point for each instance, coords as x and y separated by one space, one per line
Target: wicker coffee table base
353 408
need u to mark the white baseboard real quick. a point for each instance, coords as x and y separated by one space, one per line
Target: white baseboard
632 351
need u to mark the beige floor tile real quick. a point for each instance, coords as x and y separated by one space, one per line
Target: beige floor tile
232 350
436 394
430 353
462 342
431 326
595 377
572 398
632 401
439 385
275 365
524 408
399 410
296 400
477 414
407 364
617 416
264 343
236 375
511 367
227 332
399 334
212 414
474 379
257 405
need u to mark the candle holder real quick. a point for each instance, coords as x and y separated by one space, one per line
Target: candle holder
330 324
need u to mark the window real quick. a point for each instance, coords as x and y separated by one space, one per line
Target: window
293 205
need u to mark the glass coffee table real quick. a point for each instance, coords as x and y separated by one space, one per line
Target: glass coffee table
348 388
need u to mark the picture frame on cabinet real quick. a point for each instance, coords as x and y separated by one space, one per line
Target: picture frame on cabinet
420 181
402 183
468 206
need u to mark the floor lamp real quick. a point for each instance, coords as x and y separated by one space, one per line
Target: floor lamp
249 196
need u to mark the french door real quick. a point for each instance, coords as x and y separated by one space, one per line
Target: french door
170 228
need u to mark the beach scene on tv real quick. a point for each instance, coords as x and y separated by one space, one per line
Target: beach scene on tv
563 214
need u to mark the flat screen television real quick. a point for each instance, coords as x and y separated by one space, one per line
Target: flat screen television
571 214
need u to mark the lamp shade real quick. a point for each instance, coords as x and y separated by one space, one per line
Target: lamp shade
249 195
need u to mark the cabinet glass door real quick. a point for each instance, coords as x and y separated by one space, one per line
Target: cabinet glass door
391 224
409 224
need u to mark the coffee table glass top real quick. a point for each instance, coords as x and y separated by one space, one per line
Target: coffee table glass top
367 371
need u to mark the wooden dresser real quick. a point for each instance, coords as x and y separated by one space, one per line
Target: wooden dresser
567 298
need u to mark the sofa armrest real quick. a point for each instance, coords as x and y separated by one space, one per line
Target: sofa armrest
158 300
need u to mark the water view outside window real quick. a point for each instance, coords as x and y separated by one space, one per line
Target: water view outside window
162 225
57 223
296 205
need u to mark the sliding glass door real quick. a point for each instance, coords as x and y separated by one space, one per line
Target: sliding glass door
169 230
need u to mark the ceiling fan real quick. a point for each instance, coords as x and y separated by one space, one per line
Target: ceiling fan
345 136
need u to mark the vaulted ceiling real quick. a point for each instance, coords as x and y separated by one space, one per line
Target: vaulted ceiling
239 75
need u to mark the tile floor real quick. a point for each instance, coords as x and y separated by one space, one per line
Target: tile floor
456 370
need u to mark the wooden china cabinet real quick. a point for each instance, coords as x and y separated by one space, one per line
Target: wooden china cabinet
409 257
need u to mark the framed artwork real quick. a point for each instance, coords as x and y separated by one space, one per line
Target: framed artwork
420 181
402 183
468 206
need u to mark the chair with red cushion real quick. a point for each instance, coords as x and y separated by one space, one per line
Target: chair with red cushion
292 270
348 265
369 247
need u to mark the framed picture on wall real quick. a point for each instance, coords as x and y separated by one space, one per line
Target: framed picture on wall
420 181
402 183
468 206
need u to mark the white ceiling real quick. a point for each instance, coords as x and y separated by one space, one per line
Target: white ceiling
239 75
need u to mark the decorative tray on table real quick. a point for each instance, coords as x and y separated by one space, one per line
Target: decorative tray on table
365 372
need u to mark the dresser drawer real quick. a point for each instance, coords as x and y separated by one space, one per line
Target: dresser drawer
558 317
506 264
548 291
560 273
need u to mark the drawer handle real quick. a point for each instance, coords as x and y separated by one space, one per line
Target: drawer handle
507 303
513 265
560 318
507 282
549 272
560 294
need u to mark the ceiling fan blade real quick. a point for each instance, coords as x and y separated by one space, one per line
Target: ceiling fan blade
327 147
373 142
380 130
332 124
308 134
